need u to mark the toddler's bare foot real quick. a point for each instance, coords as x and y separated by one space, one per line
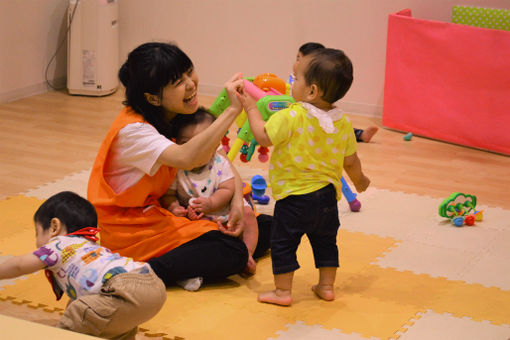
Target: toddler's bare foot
325 292
277 297
367 134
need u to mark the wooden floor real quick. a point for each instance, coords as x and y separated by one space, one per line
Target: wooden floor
46 137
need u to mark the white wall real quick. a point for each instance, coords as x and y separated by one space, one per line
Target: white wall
226 36
30 31
223 37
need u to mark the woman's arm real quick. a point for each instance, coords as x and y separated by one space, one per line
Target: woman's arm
235 218
170 202
198 150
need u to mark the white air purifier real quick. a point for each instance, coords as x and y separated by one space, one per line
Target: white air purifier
93 47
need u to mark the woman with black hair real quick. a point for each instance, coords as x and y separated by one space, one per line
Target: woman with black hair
136 164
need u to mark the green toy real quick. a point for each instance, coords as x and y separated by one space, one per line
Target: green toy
457 204
460 209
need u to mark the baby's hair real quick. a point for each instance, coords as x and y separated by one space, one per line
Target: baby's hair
309 47
73 211
148 69
183 120
331 70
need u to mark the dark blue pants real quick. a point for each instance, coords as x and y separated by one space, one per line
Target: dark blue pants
357 133
314 214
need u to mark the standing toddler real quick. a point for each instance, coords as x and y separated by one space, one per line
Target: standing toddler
313 142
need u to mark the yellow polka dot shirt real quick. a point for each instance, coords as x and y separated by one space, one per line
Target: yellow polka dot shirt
305 157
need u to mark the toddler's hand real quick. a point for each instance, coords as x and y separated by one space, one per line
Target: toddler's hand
193 215
249 103
362 184
179 211
201 204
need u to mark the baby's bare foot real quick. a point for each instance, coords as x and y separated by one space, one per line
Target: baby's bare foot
368 133
325 292
277 297
251 266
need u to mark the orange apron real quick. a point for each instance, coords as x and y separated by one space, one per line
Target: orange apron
133 223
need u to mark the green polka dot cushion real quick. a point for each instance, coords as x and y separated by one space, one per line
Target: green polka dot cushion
482 17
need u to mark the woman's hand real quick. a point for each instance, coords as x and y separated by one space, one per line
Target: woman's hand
178 210
235 221
234 86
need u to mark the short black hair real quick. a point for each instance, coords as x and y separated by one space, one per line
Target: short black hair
332 71
74 211
309 47
182 120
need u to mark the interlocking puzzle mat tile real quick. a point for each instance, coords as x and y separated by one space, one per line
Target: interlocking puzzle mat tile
17 216
432 325
236 299
76 182
13 328
300 330
430 244
395 264
35 291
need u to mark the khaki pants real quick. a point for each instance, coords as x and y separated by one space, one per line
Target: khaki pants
125 301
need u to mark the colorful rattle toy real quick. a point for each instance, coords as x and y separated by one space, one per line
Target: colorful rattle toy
460 209
268 102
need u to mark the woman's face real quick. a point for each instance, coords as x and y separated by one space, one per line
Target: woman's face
181 96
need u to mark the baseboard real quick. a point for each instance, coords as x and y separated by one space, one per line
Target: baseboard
31 90
209 89
362 109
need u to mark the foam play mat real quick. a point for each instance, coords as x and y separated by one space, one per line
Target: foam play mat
406 273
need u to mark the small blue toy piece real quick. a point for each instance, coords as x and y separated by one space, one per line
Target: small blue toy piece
458 221
354 204
408 136
258 188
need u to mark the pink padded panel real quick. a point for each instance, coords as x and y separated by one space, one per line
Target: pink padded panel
448 81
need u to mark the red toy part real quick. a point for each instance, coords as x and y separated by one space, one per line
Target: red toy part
224 142
263 157
469 220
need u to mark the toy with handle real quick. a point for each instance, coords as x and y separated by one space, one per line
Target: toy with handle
354 204
268 102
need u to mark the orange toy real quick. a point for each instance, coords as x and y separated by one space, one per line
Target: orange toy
266 81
